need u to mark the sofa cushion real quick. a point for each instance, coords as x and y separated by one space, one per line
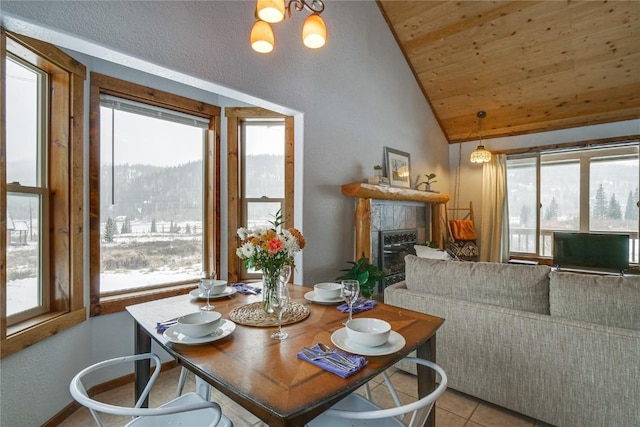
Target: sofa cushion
520 287
606 300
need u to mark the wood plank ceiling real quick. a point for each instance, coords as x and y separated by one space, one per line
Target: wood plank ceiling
533 66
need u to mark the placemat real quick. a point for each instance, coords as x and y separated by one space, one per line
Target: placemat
254 315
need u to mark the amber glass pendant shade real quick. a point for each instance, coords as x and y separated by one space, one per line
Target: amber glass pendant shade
262 39
271 11
314 32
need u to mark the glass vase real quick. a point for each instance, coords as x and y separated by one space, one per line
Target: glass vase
269 287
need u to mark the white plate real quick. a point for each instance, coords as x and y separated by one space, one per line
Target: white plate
229 290
176 337
396 342
311 296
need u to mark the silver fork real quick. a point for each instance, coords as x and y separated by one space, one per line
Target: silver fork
328 351
310 354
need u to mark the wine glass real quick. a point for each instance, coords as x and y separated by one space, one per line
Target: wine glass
285 274
279 302
206 283
350 291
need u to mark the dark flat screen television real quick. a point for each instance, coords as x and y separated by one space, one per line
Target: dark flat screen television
595 251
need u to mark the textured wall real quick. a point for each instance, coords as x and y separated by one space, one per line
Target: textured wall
350 99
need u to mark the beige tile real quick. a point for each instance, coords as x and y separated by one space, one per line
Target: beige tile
457 403
405 383
491 416
447 419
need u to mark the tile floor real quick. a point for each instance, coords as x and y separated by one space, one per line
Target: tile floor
453 409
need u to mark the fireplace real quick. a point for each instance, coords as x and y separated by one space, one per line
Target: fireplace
394 246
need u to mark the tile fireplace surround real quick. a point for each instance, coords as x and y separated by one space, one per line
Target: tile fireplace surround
380 208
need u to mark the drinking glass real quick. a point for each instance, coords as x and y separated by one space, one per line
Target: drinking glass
279 302
206 283
285 274
350 291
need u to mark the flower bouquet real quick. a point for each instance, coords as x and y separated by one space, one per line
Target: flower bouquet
269 249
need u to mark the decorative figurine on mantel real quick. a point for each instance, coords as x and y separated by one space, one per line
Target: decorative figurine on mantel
377 177
430 179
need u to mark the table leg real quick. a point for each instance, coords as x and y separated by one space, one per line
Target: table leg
142 370
426 376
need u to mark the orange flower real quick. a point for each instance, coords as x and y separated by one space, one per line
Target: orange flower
299 237
275 245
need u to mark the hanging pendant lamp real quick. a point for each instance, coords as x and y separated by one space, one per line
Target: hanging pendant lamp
480 154
314 30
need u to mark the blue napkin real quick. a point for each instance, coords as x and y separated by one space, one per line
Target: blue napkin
163 326
328 366
361 304
246 289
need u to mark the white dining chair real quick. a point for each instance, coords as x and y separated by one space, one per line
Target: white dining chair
187 410
356 410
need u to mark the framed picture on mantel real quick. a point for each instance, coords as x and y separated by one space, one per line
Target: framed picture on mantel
398 167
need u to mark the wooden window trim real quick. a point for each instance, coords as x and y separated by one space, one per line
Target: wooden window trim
102 84
235 115
66 184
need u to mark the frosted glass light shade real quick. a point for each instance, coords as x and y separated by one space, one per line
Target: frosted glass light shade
480 155
271 11
262 39
314 32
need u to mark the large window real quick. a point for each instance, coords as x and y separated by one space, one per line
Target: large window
155 160
579 190
41 188
261 142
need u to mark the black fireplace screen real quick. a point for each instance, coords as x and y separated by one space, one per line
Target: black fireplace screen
394 246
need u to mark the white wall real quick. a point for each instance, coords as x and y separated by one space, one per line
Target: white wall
471 174
354 96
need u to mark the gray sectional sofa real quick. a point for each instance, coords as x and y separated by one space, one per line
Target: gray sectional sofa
563 348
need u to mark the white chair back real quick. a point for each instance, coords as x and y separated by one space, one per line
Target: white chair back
193 409
356 407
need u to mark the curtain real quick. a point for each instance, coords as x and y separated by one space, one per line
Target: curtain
494 243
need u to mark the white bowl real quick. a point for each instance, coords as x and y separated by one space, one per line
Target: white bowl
327 291
218 287
199 324
368 332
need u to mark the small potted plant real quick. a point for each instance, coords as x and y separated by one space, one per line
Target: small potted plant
377 177
429 179
365 273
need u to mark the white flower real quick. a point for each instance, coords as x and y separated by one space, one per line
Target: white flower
243 233
246 251
290 243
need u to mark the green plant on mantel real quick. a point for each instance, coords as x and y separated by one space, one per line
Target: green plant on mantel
429 179
365 273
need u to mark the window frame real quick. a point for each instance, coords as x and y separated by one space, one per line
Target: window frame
103 84
65 193
579 154
235 117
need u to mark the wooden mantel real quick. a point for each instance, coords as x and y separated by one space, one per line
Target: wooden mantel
365 192
370 191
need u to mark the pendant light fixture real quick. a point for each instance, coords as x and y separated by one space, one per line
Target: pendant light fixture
314 30
480 154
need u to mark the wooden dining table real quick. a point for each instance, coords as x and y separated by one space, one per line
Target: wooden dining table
264 375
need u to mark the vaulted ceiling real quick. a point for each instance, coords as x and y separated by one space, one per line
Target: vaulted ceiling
533 66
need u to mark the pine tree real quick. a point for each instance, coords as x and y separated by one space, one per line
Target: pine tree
154 228
631 210
600 207
614 211
110 230
552 210
126 226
